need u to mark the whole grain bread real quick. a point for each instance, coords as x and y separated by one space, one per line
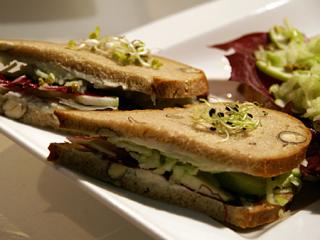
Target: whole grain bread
155 186
172 80
263 151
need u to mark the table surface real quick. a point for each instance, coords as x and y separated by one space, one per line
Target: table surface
38 202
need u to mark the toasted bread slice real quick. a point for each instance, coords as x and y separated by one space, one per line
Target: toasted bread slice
147 183
172 80
265 151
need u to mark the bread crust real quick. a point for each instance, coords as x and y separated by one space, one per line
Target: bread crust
155 186
172 80
259 152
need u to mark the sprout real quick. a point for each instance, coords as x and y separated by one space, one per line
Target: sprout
49 79
234 118
45 78
117 48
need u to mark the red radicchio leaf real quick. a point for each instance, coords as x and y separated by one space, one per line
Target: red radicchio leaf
243 63
313 157
313 167
22 82
2 78
313 154
62 89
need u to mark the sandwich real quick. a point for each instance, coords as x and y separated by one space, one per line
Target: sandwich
236 162
98 73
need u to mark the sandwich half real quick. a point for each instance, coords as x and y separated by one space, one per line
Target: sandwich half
235 162
37 78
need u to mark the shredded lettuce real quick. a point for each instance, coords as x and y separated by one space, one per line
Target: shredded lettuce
294 60
166 165
282 36
278 187
277 190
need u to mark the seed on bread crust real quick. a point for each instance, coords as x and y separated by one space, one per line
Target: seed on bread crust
291 137
14 108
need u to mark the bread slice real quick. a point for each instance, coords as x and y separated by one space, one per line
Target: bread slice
263 151
172 80
146 183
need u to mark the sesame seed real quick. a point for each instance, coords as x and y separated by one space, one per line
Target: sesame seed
228 108
220 114
212 111
250 115
213 128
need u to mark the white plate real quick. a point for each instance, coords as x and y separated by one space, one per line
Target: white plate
185 37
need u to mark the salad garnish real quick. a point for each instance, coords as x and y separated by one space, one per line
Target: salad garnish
117 48
281 68
286 63
295 61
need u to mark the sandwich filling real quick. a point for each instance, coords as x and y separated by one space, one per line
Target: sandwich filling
50 84
231 187
61 87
